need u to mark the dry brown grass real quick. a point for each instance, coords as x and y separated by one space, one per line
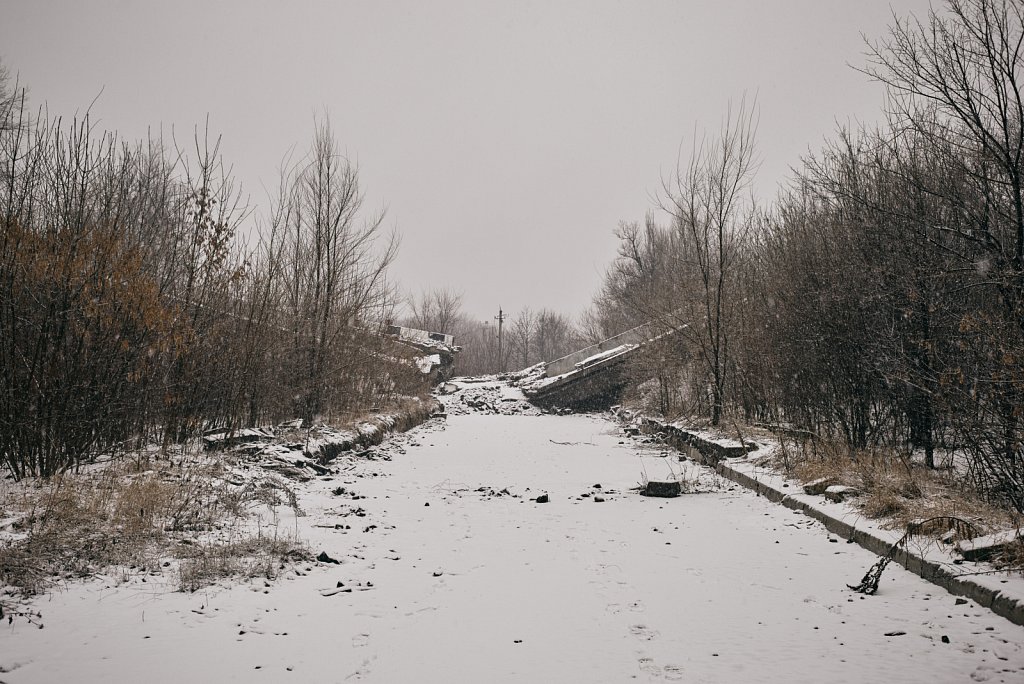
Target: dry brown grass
134 514
125 514
894 489
260 556
1012 556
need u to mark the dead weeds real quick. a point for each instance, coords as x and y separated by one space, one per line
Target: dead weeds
131 514
254 557
896 490
184 511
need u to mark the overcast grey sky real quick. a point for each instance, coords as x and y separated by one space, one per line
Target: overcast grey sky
506 139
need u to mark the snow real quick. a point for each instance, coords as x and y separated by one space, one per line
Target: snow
6 533
428 363
605 355
482 585
931 550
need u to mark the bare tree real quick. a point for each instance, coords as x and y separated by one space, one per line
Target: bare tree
336 265
436 310
555 335
954 79
967 65
7 99
708 202
522 334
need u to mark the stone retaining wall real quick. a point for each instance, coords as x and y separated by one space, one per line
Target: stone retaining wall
373 432
680 438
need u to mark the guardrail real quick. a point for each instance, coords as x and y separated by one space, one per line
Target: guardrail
637 335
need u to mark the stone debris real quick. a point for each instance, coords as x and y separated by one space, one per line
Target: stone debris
324 558
840 493
818 487
664 489
221 438
988 547
485 397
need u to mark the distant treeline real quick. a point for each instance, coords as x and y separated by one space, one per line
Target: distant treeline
527 336
133 311
880 298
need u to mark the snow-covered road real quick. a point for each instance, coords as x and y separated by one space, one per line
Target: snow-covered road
472 585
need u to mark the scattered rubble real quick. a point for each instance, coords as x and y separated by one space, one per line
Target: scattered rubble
988 547
223 439
840 493
324 558
818 487
303 454
463 397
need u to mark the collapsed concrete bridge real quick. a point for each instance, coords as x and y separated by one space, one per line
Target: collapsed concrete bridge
593 377
437 350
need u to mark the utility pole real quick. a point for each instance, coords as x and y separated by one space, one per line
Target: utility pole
501 356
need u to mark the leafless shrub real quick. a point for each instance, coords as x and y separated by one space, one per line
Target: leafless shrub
133 314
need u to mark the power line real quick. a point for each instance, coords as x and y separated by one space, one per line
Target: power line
501 355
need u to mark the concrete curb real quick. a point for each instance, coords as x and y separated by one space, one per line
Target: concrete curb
1003 604
375 431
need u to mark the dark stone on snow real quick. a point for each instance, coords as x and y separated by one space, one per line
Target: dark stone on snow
667 489
543 498
324 558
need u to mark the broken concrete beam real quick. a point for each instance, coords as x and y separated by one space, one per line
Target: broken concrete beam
222 439
818 487
840 493
666 489
988 547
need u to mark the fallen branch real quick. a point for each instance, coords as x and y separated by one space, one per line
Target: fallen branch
869 583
